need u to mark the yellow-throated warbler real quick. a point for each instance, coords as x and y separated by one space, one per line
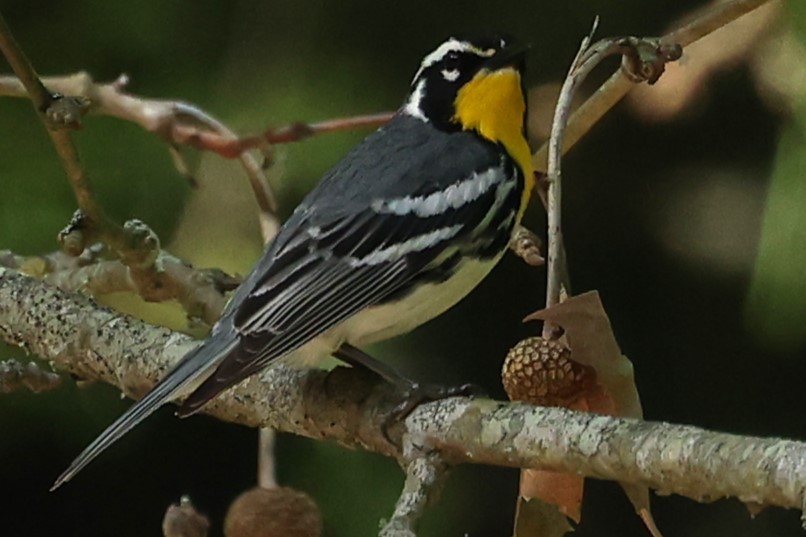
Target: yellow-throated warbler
408 223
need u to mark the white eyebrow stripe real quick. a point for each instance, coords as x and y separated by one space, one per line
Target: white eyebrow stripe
453 197
451 45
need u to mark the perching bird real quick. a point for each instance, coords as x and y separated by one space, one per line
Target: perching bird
397 232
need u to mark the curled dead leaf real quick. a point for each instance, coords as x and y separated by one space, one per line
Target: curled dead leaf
537 518
590 337
588 359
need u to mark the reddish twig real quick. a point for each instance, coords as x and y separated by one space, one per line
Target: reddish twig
231 146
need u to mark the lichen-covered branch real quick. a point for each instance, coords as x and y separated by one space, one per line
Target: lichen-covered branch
693 462
425 473
201 292
15 375
348 406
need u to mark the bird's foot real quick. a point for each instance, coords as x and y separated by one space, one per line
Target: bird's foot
414 394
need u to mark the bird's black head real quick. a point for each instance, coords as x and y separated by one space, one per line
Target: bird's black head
456 64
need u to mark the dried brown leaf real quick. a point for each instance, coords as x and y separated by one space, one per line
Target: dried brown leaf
590 337
535 518
591 340
560 489
649 522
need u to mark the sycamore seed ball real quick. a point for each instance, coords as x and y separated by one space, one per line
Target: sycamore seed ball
540 372
276 512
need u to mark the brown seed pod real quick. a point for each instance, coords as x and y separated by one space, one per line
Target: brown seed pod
275 512
540 371
182 520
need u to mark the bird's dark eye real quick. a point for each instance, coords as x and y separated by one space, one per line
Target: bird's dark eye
452 59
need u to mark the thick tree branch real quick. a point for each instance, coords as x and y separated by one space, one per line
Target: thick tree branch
348 406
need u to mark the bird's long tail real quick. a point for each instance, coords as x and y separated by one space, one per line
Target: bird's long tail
191 370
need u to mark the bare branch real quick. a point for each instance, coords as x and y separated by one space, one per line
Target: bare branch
181 123
28 79
202 293
231 146
137 246
15 375
42 99
425 474
619 84
168 119
646 60
712 18
348 406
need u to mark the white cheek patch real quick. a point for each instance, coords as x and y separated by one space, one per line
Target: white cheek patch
412 106
451 75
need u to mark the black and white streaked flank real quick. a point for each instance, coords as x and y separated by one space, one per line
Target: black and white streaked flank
397 232
331 261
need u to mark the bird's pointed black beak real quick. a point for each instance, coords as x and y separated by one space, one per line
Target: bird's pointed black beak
509 56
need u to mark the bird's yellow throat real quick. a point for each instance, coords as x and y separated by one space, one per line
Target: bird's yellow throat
492 104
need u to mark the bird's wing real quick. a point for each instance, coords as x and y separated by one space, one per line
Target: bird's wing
323 272
354 242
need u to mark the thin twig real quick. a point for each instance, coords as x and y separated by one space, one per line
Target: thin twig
644 59
231 146
163 117
42 99
38 93
266 200
266 475
619 84
553 268
712 18
181 123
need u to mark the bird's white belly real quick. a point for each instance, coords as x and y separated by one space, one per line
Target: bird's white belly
389 320
421 305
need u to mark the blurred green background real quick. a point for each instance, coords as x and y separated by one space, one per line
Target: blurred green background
691 223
